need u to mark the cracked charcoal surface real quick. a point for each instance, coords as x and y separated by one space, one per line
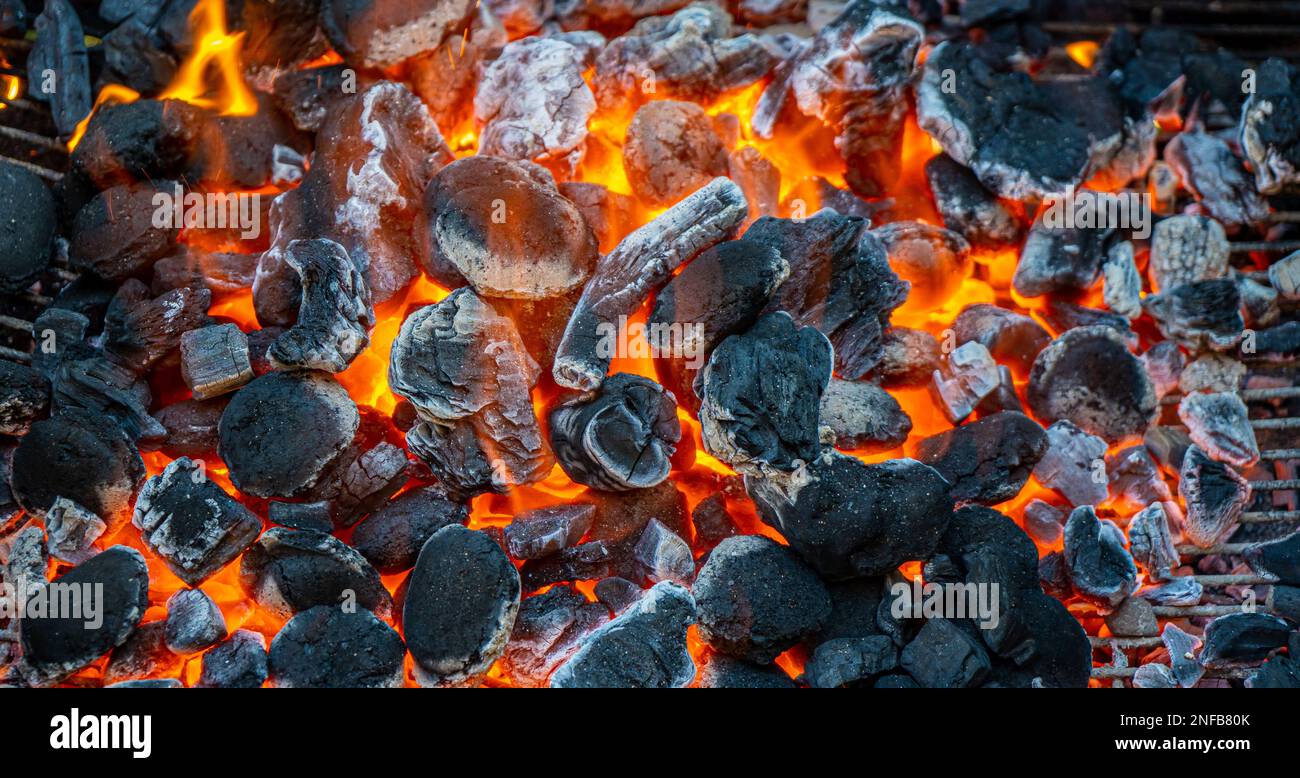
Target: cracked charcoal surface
1151 542
863 416
1010 337
384 33
1203 314
549 628
1089 377
987 461
944 656
24 397
1219 425
1070 464
237 663
329 647
1101 569
392 536
143 656
140 330
1215 495
719 671
194 622
1216 177
544 531
1268 129
91 380
61 48
1280 558
1212 373
670 151
335 318
289 571
144 140
27 224
114 237
1186 249
851 661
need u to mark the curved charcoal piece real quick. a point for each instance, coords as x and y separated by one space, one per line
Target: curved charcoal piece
621 437
1101 569
1088 377
642 262
384 33
140 330
460 605
550 627
967 207
237 663
1186 249
719 671
289 571
987 461
863 416
27 224
1152 543
335 318
1242 638
194 622
55 648
332 648
761 396
1219 425
1010 337
1199 315
1269 139
545 531
671 150
1060 259
1215 495
114 235
1216 177
935 261
24 397
61 48
1280 558
945 655
755 598
392 536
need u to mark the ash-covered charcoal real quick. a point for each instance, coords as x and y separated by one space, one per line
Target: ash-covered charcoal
27 223
548 629
620 437
1215 495
692 55
644 647
756 598
24 398
190 428
863 416
54 648
662 555
761 394
1219 425
1063 315
318 516
1003 397
142 657
671 150
222 273
1133 618
1010 337
115 235
1284 275
1164 363
1135 476
1151 542
641 262
305 95
851 661
194 622
214 360
447 77
1203 314
522 17
1154 675
758 178
545 531
1212 373
61 48
1216 177
140 330
616 594
71 532
533 104
377 34
140 141
1101 569
288 571
963 383
191 523
987 461
81 456
460 606
943 655
465 369
61 330
1089 377
712 522
1053 576
908 358
1280 672
1242 638
609 214
1180 590
239 662
1061 259
968 207
1074 464
1269 140
392 536
1168 446
719 671
1259 302
1122 283
1044 522
335 648
335 317
281 432
1275 344
1280 558
1186 249
854 519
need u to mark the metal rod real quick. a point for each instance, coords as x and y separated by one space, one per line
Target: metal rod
1247 395
1190 549
1268 517
1237 579
40 141
1281 453
1276 424
1276 486
1233 674
34 298
1284 246
17 356
37 169
15 324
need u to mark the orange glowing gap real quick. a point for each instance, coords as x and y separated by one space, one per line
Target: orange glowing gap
214 48
1083 52
10 86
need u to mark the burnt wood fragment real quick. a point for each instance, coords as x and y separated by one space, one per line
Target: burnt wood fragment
620 437
1186 249
968 207
374 34
1242 638
61 47
239 662
1061 259
1216 177
1268 138
1280 558
335 317
214 360
115 235
1215 495
24 397
71 532
1203 314
140 330
289 571
987 461
194 622
1100 567
1073 464
1219 425
544 531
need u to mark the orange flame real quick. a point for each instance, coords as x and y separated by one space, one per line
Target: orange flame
217 48
10 86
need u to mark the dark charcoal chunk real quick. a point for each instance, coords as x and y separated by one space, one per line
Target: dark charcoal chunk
1013 339
193 623
711 522
1060 260
72 531
550 627
280 432
192 523
1133 618
851 661
944 655
545 531
317 516
969 379
987 461
853 519
1218 424
1062 315
1044 522
214 360
392 536
1217 178
27 223
1063 657
1204 314
756 598
863 416
1242 638
1281 558
56 648
1215 496
908 358
134 57
80 456
461 602
368 482
620 437
288 571
385 33
238 663
623 515
60 47
333 648
662 555
24 397
1101 568
1280 672
671 150
1089 377
1152 543
761 394
305 95
855 604
617 594
645 647
144 655
60 330
1275 344
840 282
969 208
594 559
144 140
191 428
140 330
335 317
719 671
1181 646
115 235
1268 127
1136 477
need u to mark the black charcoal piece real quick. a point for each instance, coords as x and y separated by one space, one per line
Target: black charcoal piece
1060 260
1286 603
1186 249
671 150
863 416
193 622
368 482
191 522
549 628
24 397
214 360
1168 446
1151 542
1280 558
115 235
1089 377
1053 576
318 516
384 33
134 57
852 519
143 656
27 561
335 648
305 95
54 648
1101 568
88 379
460 605
944 656
1180 590
623 515
139 141
908 358
756 598
850 661
969 208
1280 672
987 461
1215 495
617 594
1074 464
712 522
544 531
620 437
593 559
719 671
761 394
59 330
1164 363
1275 344
140 329
1204 314
1242 638
288 571
1044 522
662 555
1269 141
1219 425
967 380
335 317
27 224
1062 315
644 647
72 531
280 432
1012 339
1133 618
1216 177
237 663
61 48
392 536
191 428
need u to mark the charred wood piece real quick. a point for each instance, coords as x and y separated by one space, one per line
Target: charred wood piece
1089 377
214 360
289 571
335 318
620 437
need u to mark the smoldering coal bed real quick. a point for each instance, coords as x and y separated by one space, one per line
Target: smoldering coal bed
768 344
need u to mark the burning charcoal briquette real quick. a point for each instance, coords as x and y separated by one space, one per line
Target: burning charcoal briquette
1218 424
965 381
1060 260
460 605
1010 337
987 461
504 228
392 536
368 482
719 671
1133 618
1269 141
969 208
617 594
663 556
863 416
1181 590
140 329
54 648
547 631
1044 522
1216 177
289 571
644 647
116 236
1242 638
60 330
1186 249
134 57
671 150
1101 568
756 598
191 428
142 656
944 656
850 661
139 141
214 360
1203 314
1151 542
1286 603
853 519
27 225
1089 377
908 358
1212 373
71 532
1074 464
376 34
237 663
1280 558
544 531
193 623
318 516
712 522
618 438
280 432
1215 495
335 648
24 397
761 395
335 318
